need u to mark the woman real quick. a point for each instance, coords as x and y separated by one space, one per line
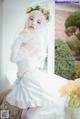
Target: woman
35 90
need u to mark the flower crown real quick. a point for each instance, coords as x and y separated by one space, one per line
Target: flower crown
45 11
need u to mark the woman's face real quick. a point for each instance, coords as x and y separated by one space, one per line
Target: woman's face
36 20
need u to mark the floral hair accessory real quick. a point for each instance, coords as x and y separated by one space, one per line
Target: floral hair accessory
45 11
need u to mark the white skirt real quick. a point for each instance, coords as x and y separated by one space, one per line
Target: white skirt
48 112
73 113
37 88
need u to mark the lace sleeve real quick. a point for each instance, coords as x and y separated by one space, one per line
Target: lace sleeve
17 53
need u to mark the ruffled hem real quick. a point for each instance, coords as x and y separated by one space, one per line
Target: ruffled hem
32 91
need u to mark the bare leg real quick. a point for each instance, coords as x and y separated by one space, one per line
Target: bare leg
4 94
14 112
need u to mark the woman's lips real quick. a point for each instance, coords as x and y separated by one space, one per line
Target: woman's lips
31 27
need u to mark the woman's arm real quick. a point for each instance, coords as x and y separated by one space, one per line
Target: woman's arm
3 94
17 52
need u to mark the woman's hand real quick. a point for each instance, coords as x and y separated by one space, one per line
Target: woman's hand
26 46
33 51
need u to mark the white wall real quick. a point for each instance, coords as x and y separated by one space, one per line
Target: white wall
4 83
0 38
13 20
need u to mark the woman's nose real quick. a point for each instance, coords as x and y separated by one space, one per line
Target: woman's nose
33 23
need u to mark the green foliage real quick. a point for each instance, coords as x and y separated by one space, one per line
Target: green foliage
74 44
70 30
77 70
78 35
64 61
73 20
74 102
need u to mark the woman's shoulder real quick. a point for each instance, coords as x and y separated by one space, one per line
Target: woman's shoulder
23 33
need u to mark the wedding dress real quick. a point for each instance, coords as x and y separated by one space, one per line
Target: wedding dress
34 86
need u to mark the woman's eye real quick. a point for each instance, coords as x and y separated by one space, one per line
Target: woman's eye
38 22
31 19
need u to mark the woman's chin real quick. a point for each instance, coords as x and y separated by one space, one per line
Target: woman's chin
31 29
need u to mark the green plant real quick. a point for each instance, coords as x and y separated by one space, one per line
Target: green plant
74 44
64 60
78 35
73 20
77 70
72 24
70 30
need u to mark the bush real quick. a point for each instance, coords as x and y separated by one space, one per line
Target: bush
70 30
77 70
72 24
74 44
73 20
64 61
78 35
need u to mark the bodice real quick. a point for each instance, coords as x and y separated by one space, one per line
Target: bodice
22 58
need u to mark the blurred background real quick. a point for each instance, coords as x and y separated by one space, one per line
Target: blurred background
67 40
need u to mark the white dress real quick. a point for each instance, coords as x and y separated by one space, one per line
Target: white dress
35 87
